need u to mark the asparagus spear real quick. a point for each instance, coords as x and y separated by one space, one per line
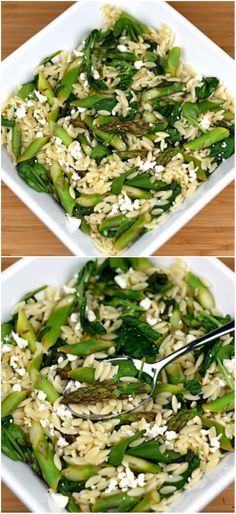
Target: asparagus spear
159 91
34 147
208 139
11 402
150 499
140 465
44 455
130 235
201 174
89 200
105 391
201 292
118 451
136 192
25 329
68 79
173 60
225 442
108 139
6 122
164 157
57 318
45 88
79 473
40 382
60 132
62 187
86 347
150 450
83 374
136 127
169 388
131 154
16 140
127 418
115 502
223 404
179 420
84 144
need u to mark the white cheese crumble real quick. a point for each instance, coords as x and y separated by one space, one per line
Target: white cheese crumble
16 387
151 320
6 348
96 74
57 501
171 435
41 395
41 98
90 314
63 412
147 165
126 204
112 486
121 280
62 442
145 303
39 134
127 479
205 122
20 112
21 343
138 64
74 317
20 371
122 48
159 168
75 150
72 223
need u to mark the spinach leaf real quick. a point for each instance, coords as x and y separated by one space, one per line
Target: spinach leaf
35 175
136 338
106 104
92 327
126 23
190 112
116 454
174 135
208 87
143 181
6 330
27 89
193 386
126 368
222 150
15 444
193 461
126 73
89 45
127 306
7 123
66 486
51 357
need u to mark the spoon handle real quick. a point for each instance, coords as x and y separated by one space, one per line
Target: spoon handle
194 345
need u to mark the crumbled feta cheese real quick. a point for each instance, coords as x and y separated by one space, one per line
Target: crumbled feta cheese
16 387
29 103
63 412
75 176
38 117
42 396
138 64
62 442
145 303
74 317
72 223
57 501
41 98
151 320
20 112
126 204
58 140
205 122
69 290
122 48
127 479
82 76
39 134
159 168
20 371
90 315
6 348
71 357
112 486
171 435
114 209
21 343
78 326
229 365
43 422
13 361
147 165
96 74
75 150
77 384
121 280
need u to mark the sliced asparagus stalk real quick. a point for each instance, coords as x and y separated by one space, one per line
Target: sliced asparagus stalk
105 391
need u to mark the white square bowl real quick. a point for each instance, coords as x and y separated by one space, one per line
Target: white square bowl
67 31
28 274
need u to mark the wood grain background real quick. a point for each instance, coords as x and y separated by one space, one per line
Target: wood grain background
222 503
209 233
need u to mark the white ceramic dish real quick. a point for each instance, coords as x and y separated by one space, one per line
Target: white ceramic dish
28 274
67 31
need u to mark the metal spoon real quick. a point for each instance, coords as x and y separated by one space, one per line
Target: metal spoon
153 370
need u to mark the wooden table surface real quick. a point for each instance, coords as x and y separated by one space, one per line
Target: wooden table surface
210 232
222 503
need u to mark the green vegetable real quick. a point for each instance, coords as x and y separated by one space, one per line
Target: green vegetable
92 327
159 283
26 90
130 25
209 86
150 499
222 150
223 404
175 372
190 111
118 451
208 139
179 420
136 127
173 60
50 57
201 174
160 91
108 139
44 455
68 79
88 49
35 175
11 402
225 443
15 445
118 182
60 132
193 386
133 232
42 384
136 338
140 465
89 200
169 388
150 450
117 502
99 152
33 293
16 140
6 330
79 473
62 187
25 330
135 192
105 391
207 105
200 291
164 157
86 347
7 123
130 417
45 88
57 318
143 180
83 374
34 147
193 463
